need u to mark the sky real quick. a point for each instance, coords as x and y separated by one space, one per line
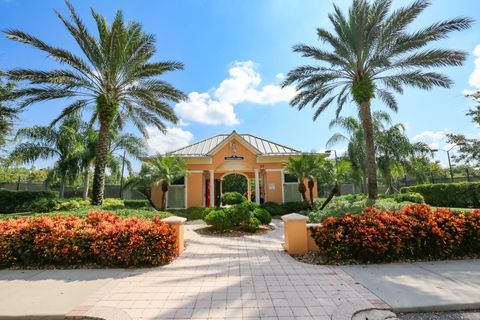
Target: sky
236 53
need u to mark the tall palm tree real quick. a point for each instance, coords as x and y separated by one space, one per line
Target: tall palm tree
117 80
44 142
160 170
373 52
8 114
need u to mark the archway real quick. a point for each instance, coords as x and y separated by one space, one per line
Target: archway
235 182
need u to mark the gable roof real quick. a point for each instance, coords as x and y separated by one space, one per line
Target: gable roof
262 146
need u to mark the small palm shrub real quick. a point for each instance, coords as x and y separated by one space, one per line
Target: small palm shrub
233 198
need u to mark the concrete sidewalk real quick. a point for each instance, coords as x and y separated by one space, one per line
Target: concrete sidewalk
423 286
48 294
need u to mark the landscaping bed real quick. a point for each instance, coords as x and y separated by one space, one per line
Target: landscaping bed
233 232
101 239
413 233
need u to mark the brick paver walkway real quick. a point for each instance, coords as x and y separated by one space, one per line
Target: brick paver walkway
248 277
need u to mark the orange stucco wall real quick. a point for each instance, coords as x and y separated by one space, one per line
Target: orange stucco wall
157 196
273 186
195 190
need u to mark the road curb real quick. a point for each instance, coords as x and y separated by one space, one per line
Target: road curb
347 310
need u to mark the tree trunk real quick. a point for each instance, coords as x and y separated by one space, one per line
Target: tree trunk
86 183
62 187
335 190
148 194
311 184
100 163
364 182
164 187
371 164
303 191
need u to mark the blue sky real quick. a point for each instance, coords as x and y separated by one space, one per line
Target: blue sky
235 53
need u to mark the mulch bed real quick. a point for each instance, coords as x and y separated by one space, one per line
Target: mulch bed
235 232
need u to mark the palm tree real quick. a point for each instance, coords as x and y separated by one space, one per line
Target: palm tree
304 167
160 170
117 80
7 114
373 52
132 146
45 142
355 137
395 151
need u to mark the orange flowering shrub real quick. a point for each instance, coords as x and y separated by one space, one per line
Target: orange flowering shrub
102 239
413 232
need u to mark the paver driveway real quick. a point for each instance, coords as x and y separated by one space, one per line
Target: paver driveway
247 277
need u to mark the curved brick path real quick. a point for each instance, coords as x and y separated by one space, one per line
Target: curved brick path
230 278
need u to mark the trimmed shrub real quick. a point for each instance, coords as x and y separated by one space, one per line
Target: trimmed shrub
192 213
262 215
44 205
294 207
218 219
274 208
113 202
459 195
413 197
414 232
233 198
250 205
135 204
252 225
238 214
22 201
103 239
71 204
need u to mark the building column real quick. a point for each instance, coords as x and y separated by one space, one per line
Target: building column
257 187
249 190
212 188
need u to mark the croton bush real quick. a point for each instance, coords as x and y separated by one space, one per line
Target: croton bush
101 239
415 232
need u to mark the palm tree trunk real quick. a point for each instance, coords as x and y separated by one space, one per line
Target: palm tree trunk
100 163
303 191
371 164
63 181
364 182
311 184
333 192
86 183
164 200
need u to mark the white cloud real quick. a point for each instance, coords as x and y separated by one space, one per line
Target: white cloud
175 138
434 139
201 108
474 79
242 85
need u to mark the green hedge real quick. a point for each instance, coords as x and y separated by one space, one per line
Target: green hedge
22 201
135 204
233 198
457 195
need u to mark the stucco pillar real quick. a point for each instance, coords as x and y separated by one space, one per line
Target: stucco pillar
178 224
257 186
249 190
295 233
212 188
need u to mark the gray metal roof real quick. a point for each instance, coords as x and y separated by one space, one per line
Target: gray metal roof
264 147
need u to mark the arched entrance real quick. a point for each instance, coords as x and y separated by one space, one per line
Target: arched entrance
235 182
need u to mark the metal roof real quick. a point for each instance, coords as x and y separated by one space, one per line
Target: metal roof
264 147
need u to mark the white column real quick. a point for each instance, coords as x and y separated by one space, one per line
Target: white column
257 187
283 185
212 188
249 190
